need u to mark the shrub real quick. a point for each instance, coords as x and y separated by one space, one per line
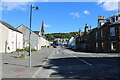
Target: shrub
14 52
33 49
19 50
27 49
43 46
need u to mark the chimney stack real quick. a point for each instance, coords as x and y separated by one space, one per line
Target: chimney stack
80 32
86 28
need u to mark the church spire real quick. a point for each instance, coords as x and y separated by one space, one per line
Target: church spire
42 29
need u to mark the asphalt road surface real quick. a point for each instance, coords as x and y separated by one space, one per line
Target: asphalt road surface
64 63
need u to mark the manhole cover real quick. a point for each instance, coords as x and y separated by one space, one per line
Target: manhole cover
18 70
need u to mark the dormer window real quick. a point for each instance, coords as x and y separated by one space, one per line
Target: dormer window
112 19
99 24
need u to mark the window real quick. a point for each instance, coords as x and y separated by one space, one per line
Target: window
113 45
112 31
102 45
112 19
96 44
96 35
101 33
85 38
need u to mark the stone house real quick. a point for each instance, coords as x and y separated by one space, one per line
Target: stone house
82 40
104 38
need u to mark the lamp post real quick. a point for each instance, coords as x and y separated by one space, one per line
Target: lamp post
36 8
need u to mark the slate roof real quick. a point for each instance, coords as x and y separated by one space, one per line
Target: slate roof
9 26
36 32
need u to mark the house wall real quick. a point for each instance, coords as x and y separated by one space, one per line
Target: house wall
34 41
34 38
104 41
25 32
9 39
3 38
19 43
43 42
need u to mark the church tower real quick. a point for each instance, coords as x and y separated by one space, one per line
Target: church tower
42 29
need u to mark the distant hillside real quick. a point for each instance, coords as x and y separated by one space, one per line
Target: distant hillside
52 36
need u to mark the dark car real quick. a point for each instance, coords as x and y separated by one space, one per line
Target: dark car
54 46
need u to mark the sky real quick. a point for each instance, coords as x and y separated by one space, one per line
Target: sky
59 17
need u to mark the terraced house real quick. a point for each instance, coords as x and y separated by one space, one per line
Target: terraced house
104 38
10 38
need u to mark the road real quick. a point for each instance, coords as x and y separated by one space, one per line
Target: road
64 63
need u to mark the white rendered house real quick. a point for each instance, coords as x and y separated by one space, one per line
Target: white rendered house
10 38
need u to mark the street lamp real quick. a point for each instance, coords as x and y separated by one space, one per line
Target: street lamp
36 8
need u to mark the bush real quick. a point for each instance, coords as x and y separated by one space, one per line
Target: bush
43 46
14 52
19 50
33 49
27 49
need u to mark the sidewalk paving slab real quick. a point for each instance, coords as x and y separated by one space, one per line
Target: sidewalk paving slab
19 68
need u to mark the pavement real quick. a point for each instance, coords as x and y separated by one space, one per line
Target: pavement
13 67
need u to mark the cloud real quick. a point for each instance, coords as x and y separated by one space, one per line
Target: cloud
86 12
18 0
45 25
16 4
75 15
24 0
13 5
108 5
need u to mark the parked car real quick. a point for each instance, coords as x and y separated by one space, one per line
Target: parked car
54 46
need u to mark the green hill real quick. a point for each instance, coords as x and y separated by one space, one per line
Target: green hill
52 36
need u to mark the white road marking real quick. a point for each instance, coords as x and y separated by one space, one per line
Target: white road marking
86 62
80 59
